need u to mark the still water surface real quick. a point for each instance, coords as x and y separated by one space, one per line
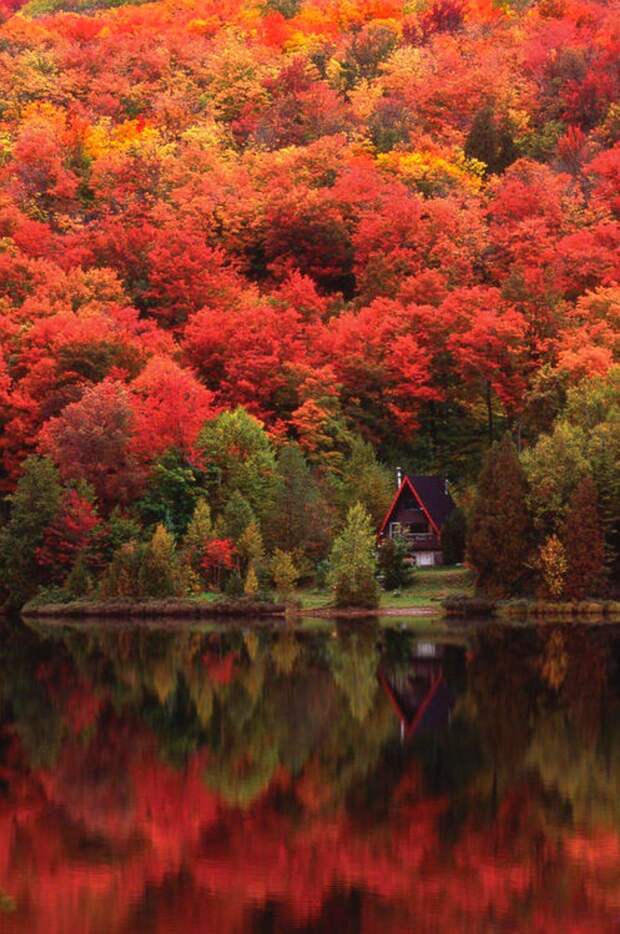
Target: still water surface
359 780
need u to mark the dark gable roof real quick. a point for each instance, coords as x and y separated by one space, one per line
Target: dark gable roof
432 492
432 496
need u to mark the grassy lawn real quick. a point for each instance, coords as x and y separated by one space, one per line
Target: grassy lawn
430 585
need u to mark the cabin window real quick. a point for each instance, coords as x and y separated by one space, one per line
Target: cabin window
395 529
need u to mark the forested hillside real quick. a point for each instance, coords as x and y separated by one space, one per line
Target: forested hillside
356 220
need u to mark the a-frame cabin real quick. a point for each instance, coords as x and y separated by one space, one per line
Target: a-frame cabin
417 513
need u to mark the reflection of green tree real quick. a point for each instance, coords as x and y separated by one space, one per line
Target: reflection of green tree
24 699
584 777
285 651
576 742
241 777
504 686
351 751
354 660
178 729
201 693
244 746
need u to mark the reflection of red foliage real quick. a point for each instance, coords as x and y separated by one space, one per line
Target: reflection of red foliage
220 670
85 840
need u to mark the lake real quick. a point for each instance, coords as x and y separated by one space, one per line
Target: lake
352 779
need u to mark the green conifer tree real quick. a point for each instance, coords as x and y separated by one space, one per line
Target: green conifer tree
366 481
584 542
298 519
498 533
237 515
199 531
159 575
285 574
250 587
353 566
250 546
34 505
490 140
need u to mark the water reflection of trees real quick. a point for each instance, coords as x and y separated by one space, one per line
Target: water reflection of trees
259 770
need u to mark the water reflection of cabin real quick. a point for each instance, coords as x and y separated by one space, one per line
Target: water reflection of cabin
418 691
418 511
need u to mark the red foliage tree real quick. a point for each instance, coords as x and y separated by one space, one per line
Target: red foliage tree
70 534
92 440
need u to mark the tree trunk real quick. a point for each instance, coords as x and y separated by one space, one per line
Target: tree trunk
489 399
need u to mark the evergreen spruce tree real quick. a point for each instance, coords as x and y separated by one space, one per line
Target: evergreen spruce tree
366 481
123 576
353 565
79 582
250 546
199 531
159 575
250 587
584 542
34 505
171 493
298 519
498 530
490 140
285 574
236 517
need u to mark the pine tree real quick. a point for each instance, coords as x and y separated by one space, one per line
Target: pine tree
79 581
199 531
497 534
298 519
250 546
490 140
584 542
285 574
353 566
34 505
159 575
250 588
123 576
366 481
237 515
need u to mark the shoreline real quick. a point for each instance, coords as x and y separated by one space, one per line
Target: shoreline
191 610
360 613
532 612
154 608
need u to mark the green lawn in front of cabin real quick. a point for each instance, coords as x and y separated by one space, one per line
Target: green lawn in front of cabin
429 586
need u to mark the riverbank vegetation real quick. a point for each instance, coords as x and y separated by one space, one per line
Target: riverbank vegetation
554 510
